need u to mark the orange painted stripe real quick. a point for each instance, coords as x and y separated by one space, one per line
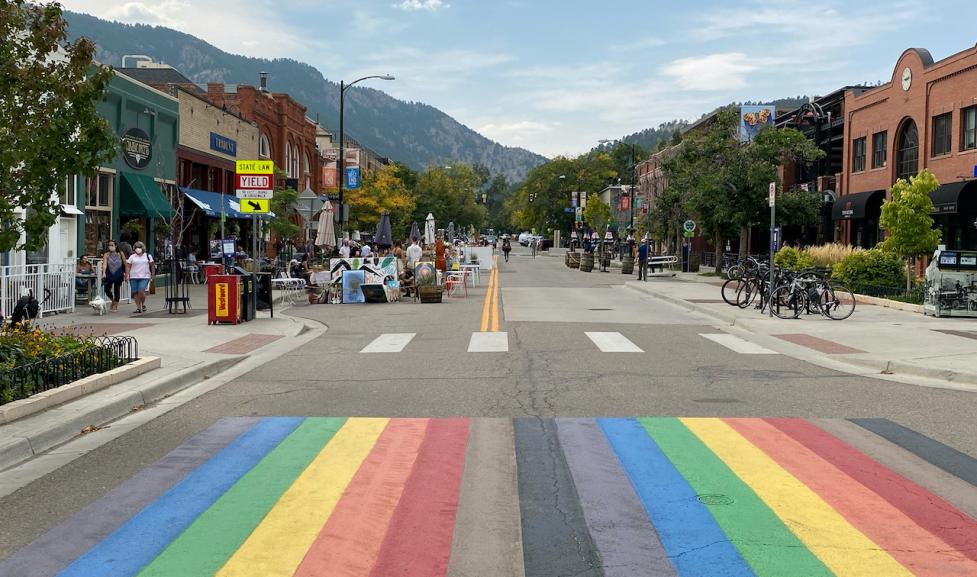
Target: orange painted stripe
349 544
418 543
917 549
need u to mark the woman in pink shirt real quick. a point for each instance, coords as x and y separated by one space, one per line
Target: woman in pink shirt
140 269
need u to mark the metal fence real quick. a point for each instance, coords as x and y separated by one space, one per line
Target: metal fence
53 286
104 354
914 295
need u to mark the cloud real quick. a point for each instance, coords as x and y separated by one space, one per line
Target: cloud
639 45
714 72
416 5
160 14
517 132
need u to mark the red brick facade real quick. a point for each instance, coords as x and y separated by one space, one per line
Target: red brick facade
289 135
920 90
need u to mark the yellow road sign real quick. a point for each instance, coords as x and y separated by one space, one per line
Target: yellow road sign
255 205
255 167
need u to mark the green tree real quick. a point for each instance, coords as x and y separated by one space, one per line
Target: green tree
597 214
284 225
49 127
540 202
381 189
497 194
449 193
907 221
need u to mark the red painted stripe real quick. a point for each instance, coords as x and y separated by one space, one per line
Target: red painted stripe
925 508
418 543
818 344
350 541
917 549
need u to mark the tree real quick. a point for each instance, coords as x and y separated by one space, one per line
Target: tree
449 193
49 127
283 226
597 214
907 221
381 189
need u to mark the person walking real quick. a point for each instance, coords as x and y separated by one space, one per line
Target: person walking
141 269
113 273
344 250
643 261
124 246
365 250
414 254
506 248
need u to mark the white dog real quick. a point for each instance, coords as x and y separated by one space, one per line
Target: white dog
99 304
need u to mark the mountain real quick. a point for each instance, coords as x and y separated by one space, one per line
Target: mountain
410 132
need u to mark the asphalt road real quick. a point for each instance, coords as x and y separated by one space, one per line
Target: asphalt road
551 369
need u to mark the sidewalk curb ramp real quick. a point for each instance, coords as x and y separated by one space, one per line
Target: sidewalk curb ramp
853 365
126 397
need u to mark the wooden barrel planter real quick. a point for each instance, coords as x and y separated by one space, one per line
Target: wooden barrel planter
587 262
573 259
627 265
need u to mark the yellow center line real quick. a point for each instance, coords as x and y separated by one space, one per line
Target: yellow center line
495 297
486 308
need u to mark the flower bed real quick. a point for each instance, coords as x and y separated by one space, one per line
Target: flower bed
33 360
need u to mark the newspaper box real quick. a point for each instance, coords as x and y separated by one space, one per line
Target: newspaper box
224 299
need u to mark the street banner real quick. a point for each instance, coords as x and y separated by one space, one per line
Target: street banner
753 119
352 177
625 202
329 177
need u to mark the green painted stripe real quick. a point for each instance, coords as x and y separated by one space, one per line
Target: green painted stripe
758 534
213 537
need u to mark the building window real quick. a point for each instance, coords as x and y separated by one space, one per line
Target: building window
968 123
98 212
67 193
879 141
858 155
942 129
264 147
907 152
308 169
288 160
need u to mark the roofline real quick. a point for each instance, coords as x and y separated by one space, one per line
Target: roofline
199 97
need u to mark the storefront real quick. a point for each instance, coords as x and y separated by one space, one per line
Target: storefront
955 213
857 218
135 193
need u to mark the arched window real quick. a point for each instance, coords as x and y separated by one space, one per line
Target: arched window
907 150
307 164
288 160
296 154
264 147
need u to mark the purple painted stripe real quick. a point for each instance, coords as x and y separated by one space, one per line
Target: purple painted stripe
65 543
628 543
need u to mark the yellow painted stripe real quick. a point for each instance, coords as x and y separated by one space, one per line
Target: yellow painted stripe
279 543
844 549
495 297
486 308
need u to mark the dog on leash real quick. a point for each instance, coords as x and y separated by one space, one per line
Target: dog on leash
99 304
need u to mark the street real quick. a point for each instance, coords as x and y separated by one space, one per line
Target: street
550 423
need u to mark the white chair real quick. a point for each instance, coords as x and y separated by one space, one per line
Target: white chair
293 289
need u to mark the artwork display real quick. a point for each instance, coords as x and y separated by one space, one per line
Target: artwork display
426 274
353 280
753 119
377 270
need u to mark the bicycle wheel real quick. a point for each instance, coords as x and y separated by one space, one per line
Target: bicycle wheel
745 294
734 272
730 290
785 303
837 302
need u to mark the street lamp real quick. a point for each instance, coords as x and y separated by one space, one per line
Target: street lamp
341 166
630 178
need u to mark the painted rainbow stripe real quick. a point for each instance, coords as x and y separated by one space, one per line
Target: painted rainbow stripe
310 497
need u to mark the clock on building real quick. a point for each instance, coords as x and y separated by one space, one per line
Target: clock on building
907 78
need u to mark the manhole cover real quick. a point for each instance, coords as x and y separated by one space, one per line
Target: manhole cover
600 309
715 499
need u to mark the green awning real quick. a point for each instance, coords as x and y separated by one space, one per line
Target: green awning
141 196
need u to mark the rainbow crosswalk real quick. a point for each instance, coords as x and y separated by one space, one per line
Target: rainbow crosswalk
304 497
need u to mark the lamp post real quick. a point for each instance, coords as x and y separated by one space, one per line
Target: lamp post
630 179
341 162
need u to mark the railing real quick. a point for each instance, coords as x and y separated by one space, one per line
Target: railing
57 279
125 295
103 354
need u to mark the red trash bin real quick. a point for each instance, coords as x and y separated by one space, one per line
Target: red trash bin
211 269
223 299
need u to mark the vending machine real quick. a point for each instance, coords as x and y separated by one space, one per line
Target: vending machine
951 284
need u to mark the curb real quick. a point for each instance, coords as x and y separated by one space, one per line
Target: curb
45 400
889 304
129 396
858 366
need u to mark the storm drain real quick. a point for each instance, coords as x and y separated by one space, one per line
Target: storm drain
715 499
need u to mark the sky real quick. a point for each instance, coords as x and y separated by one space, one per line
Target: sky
556 76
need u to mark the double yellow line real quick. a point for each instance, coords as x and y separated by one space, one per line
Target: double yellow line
490 309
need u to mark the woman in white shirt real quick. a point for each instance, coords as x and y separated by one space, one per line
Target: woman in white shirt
140 269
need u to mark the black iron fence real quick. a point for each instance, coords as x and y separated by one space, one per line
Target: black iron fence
100 354
914 295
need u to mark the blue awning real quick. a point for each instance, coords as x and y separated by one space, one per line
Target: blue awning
210 203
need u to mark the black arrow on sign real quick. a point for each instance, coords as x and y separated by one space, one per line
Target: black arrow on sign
254 205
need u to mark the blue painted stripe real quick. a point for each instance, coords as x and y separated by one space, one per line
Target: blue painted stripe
133 545
693 540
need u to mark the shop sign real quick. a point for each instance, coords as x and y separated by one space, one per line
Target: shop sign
223 144
945 208
848 211
220 296
137 148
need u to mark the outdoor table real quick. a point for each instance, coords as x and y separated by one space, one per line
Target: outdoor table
91 281
475 271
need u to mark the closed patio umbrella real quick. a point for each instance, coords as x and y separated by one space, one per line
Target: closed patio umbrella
415 232
326 232
384 238
429 230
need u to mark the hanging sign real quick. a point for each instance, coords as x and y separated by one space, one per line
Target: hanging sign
137 148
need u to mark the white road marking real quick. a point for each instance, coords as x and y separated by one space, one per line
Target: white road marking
613 343
497 342
736 344
389 343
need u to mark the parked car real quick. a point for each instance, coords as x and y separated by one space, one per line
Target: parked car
524 238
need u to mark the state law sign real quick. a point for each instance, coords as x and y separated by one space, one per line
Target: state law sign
255 178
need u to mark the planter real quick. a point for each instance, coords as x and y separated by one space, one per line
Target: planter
573 259
429 294
587 262
627 265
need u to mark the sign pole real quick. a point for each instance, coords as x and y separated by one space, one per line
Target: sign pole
773 224
254 266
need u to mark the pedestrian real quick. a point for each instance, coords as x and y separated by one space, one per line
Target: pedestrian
643 261
141 270
365 250
344 250
506 248
414 254
113 273
125 246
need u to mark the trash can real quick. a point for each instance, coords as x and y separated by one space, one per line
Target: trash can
264 295
247 296
211 269
223 299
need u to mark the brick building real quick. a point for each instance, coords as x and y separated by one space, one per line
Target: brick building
925 117
285 134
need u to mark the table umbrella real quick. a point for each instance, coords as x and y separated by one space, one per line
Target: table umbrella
326 232
384 238
415 232
429 229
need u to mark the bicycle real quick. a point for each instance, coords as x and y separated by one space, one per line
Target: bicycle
808 291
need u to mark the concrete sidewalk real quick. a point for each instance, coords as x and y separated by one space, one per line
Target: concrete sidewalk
873 341
190 352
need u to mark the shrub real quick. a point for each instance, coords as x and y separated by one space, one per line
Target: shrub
793 258
869 268
828 255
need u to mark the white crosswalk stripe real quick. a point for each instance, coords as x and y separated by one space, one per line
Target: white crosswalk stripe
497 342
736 344
389 343
613 343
